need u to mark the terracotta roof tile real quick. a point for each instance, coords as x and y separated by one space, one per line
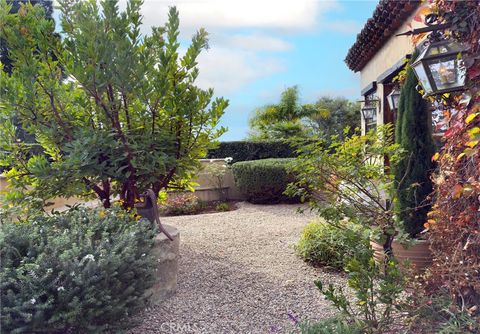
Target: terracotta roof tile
388 16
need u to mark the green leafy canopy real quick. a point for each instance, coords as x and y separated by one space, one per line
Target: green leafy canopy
114 111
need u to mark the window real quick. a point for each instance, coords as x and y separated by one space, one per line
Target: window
369 112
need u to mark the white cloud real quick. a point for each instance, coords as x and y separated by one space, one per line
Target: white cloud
276 14
260 42
241 32
346 27
227 70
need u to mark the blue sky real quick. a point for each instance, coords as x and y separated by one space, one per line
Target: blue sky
260 47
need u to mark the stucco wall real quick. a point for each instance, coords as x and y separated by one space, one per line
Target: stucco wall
393 51
390 53
207 188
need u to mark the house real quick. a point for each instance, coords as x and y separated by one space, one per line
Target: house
379 55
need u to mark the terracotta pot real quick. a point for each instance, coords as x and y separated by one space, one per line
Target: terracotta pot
418 256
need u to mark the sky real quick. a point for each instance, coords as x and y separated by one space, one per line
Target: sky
260 47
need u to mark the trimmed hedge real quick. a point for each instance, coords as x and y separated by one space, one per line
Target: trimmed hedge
249 150
264 181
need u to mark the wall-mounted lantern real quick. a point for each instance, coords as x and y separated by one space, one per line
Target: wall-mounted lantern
439 68
369 112
393 99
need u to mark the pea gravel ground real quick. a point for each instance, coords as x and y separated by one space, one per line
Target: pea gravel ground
238 274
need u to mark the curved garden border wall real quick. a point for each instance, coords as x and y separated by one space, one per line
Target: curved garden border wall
205 191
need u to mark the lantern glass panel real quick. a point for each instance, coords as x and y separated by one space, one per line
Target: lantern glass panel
447 73
422 76
435 50
395 100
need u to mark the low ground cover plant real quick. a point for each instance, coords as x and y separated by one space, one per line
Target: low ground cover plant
189 204
180 204
335 325
437 313
265 180
331 245
82 271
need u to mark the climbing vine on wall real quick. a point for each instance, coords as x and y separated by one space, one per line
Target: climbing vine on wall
454 221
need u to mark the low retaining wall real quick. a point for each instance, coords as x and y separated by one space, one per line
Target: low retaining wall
167 253
207 189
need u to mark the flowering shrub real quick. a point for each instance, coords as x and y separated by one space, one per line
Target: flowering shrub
181 204
78 271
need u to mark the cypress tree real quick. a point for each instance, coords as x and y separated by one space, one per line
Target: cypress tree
413 133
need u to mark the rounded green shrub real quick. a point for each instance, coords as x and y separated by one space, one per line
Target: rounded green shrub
80 271
330 245
264 181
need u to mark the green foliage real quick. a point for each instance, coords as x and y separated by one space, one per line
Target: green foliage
222 207
331 245
263 181
82 271
289 119
413 133
252 150
47 7
335 325
282 120
180 204
349 180
377 293
332 116
129 115
437 313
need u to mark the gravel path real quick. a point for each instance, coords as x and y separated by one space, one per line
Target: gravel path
238 274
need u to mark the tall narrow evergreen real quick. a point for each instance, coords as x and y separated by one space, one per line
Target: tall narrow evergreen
413 133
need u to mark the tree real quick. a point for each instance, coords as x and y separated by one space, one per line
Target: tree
289 119
282 120
47 6
414 135
129 116
16 4
332 116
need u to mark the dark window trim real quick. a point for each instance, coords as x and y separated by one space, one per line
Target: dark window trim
369 88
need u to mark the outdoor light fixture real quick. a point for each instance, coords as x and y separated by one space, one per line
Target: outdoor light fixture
369 112
439 68
393 98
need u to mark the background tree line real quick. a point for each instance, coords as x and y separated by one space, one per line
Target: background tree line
289 118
